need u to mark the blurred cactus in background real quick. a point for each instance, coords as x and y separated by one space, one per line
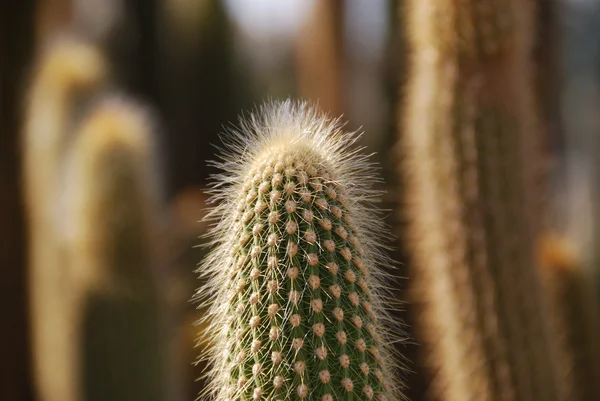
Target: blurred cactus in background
470 159
577 314
298 303
113 210
94 197
68 73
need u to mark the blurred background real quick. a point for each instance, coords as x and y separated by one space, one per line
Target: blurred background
195 65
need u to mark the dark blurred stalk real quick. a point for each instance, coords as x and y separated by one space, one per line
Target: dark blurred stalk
16 41
202 83
578 172
546 49
51 16
320 57
138 65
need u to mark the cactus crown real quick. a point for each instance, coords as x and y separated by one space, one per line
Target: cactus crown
113 158
295 280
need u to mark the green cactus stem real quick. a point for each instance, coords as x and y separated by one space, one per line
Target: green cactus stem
112 208
298 305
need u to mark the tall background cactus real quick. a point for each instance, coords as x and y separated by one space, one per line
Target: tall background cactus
93 196
69 73
470 159
295 279
112 209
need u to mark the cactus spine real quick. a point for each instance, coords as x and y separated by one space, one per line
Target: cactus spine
69 72
112 205
470 162
578 320
294 279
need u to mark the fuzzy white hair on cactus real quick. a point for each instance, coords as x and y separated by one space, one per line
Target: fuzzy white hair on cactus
297 282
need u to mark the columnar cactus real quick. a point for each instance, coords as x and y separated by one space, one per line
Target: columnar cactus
68 73
112 210
470 160
298 307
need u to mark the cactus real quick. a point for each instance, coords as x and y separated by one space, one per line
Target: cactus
68 73
574 305
470 161
112 208
298 305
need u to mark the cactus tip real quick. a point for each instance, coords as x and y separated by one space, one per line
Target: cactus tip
295 206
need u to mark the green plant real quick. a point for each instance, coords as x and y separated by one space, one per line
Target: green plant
112 208
297 293
470 160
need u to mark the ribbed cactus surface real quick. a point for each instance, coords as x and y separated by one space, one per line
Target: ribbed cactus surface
470 159
294 281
